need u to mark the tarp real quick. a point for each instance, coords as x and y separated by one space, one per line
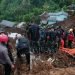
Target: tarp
61 17
57 17
69 51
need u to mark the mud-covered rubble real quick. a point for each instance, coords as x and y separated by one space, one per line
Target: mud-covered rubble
49 66
47 69
63 71
69 23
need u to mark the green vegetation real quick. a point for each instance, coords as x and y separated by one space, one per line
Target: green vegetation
27 10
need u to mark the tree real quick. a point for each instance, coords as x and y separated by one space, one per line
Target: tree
37 3
19 10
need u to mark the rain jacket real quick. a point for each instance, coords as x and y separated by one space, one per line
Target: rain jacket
4 57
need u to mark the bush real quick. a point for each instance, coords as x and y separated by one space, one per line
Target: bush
28 17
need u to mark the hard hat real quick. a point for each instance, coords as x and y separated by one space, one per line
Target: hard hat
3 38
70 30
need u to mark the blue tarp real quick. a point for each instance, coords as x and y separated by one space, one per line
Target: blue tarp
57 17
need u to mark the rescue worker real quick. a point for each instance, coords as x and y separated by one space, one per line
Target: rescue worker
59 34
64 37
4 57
70 38
51 40
34 37
42 40
22 46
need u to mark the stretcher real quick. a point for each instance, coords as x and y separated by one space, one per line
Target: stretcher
70 52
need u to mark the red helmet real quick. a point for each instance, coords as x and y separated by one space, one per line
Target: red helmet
3 38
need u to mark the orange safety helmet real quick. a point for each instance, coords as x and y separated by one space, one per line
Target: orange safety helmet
3 38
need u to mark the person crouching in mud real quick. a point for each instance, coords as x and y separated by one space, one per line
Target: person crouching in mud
22 46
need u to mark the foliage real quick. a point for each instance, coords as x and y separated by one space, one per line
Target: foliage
28 17
25 10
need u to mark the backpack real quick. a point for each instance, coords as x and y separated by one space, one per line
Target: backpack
22 43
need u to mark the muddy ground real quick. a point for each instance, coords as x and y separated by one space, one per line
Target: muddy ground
47 65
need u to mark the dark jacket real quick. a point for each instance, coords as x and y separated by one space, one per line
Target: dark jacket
34 32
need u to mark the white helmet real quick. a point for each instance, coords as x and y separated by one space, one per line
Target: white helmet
71 30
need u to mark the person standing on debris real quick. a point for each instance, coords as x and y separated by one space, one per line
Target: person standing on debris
59 35
70 38
34 37
22 46
9 46
51 40
4 57
64 37
48 39
42 40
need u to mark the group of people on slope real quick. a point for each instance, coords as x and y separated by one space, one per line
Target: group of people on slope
50 38
6 57
37 40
